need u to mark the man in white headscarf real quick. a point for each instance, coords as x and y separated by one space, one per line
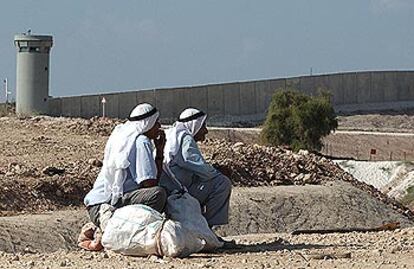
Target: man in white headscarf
130 173
185 166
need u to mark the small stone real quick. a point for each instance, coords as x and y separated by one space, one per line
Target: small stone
27 250
88 257
95 162
50 171
378 251
396 248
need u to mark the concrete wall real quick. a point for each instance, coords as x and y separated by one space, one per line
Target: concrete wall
231 103
3 110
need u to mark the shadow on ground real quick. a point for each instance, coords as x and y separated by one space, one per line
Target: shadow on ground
276 245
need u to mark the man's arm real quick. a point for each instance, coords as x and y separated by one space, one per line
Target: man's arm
193 159
146 169
159 155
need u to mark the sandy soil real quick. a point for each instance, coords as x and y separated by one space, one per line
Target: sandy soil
391 121
355 250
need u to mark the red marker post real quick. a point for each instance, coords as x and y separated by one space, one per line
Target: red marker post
372 152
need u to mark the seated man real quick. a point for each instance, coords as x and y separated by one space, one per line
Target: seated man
185 166
130 173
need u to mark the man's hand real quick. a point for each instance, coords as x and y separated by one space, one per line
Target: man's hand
160 142
149 183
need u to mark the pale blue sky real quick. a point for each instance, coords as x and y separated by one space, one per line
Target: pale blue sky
109 46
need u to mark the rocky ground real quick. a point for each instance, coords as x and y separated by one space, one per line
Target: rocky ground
353 250
387 121
49 164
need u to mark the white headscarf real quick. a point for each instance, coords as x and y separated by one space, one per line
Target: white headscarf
190 122
119 145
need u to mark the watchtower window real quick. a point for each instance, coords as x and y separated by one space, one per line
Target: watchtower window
34 49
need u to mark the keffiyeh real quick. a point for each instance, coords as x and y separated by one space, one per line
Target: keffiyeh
119 145
190 122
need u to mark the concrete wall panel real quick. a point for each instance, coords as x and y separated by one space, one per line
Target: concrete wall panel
336 86
71 106
391 87
321 83
165 101
409 80
55 107
349 88
90 106
276 85
111 105
127 101
403 88
261 87
247 98
307 85
377 87
231 99
147 96
264 92
215 98
363 85
292 83
198 97
182 100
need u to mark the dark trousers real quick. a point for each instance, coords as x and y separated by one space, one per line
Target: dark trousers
154 197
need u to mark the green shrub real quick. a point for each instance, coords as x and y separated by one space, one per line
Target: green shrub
298 120
408 199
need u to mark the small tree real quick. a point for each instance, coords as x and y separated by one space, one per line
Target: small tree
298 120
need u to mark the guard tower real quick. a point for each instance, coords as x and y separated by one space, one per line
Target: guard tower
32 76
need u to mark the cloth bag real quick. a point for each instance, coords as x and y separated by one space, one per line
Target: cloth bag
185 209
132 230
138 230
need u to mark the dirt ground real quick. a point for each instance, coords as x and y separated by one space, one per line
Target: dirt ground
355 250
41 159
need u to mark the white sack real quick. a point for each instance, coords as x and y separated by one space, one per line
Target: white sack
132 230
186 210
176 241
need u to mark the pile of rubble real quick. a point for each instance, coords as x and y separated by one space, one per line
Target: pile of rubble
92 126
255 165
29 189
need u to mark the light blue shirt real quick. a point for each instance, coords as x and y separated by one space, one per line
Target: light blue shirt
188 165
142 167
